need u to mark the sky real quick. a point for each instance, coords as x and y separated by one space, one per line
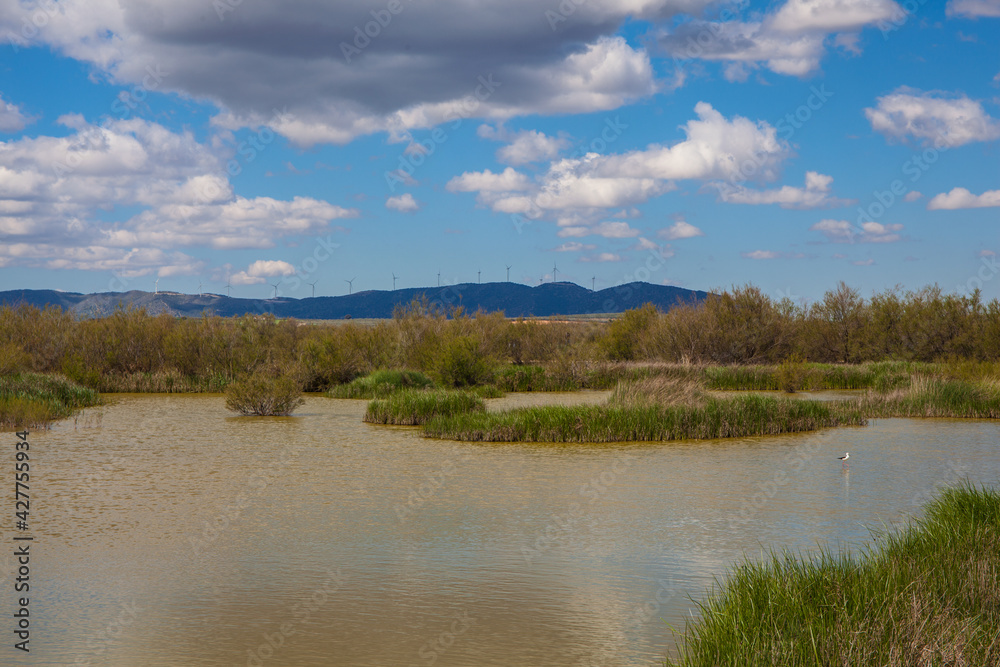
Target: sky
229 146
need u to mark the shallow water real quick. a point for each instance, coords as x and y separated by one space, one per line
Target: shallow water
175 534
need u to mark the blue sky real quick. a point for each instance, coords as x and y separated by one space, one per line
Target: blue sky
790 144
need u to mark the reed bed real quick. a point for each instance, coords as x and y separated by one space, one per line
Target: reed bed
740 416
412 407
381 384
926 595
35 400
934 397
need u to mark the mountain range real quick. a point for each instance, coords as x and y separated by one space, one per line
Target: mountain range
513 299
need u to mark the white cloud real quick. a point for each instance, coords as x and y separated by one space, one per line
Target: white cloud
614 230
962 198
602 257
842 231
527 146
761 254
831 16
913 195
509 180
575 246
987 253
864 262
680 230
258 272
578 190
11 118
816 194
404 203
789 41
68 188
933 117
974 8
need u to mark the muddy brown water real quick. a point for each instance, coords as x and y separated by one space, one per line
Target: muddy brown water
172 533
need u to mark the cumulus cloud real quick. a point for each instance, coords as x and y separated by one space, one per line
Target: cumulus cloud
913 195
815 194
680 230
258 272
525 147
575 191
974 8
346 69
602 257
933 118
404 203
842 231
64 188
11 118
575 246
962 198
790 40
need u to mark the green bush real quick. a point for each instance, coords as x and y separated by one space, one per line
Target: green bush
792 374
264 394
381 384
460 363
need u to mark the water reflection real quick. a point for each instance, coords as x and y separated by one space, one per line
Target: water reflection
320 540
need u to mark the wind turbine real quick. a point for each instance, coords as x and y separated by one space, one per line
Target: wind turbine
439 279
593 284
394 278
508 271
156 286
229 286
313 285
350 285
554 271
275 286
200 292
479 277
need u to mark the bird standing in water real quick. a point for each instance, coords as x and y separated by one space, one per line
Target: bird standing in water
844 458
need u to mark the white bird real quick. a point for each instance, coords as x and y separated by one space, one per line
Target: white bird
844 458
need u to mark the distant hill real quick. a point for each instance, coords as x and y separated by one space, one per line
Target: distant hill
514 299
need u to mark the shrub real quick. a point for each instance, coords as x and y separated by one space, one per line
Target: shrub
264 394
381 384
460 363
792 374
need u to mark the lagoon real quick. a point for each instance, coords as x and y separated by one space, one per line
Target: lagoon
172 533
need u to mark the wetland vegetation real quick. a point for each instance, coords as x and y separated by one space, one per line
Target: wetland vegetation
924 595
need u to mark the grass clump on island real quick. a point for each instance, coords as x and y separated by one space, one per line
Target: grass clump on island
265 394
35 400
656 409
413 407
925 595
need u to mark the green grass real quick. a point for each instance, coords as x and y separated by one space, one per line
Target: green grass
926 595
380 384
933 397
412 407
738 416
34 400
